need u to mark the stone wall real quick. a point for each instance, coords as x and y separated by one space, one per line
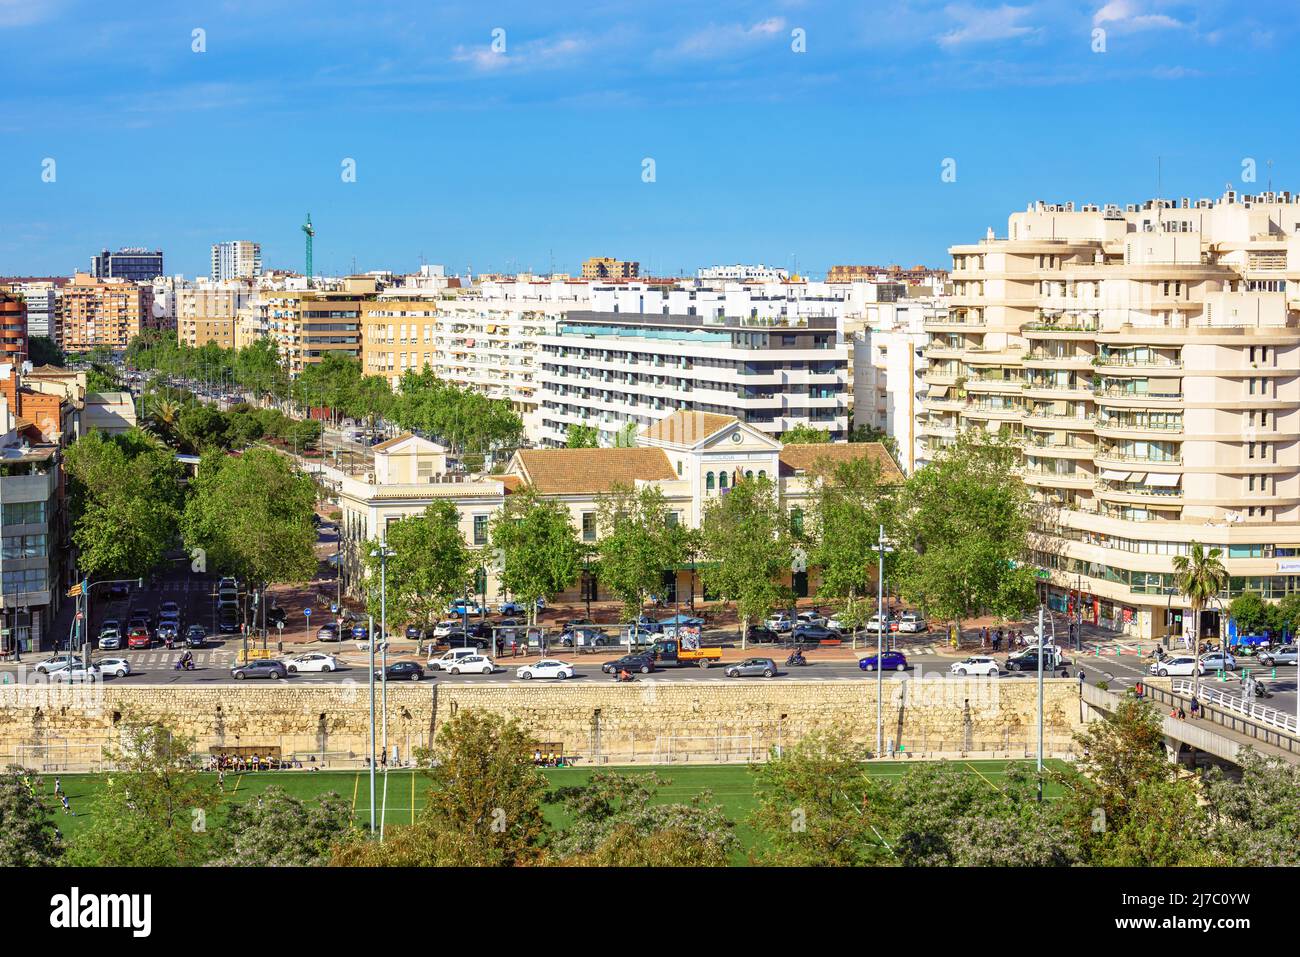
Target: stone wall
646 721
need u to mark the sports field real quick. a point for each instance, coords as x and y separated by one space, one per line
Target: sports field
732 787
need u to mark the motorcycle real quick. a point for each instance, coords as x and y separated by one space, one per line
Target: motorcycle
183 666
796 659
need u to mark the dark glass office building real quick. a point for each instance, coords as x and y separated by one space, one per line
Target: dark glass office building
132 263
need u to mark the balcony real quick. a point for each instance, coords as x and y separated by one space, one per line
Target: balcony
1041 360
1072 421
1113 427
1050 479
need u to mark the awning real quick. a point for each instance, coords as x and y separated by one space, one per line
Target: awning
1137 476
1163 479
1110 475
1164 386
938 392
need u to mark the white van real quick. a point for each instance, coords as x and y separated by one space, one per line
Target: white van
445 660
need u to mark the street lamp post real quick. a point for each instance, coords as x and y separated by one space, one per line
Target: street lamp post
880 549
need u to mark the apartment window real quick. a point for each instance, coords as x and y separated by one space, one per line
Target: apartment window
481 529
588 526
762 473
796 521
23 580
24 513
708 482
722 481
674 519
679 468
26 546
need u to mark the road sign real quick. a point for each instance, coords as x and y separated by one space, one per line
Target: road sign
307 612
280 625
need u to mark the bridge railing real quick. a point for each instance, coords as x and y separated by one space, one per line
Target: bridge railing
1227 701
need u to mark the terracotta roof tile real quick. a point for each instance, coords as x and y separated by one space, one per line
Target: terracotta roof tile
801 457
687 428
589 471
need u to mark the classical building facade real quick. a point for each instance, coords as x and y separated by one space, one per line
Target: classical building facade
690 457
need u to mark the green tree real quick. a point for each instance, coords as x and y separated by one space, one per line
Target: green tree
938 815
617 821
428 565
258 368
582 436
851 501
540 549
44 351
252 514
813 805
1287 614
639 542
279 830
484 805
154 806
1253 614
805 435
200 427
28 836
1200 576
125 499
746 540
1255 816
963 532
1124 800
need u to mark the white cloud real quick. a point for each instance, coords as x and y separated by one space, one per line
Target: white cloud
718 41
23 13
532 54
981 26
1131 15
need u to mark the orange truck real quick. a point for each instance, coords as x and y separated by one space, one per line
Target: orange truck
684 648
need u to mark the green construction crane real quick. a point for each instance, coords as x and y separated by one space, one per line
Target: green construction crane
310 231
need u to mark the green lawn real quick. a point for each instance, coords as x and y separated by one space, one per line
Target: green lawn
732 787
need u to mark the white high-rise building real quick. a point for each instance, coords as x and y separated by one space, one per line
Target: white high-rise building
238 259
1148 360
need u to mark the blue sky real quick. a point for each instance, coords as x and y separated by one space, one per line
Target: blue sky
534 155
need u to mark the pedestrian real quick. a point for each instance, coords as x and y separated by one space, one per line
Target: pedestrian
221 778
67 808
1196 707
1182 715
58 787
984 637
997 639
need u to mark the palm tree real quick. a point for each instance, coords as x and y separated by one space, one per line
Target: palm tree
164 417
1201 576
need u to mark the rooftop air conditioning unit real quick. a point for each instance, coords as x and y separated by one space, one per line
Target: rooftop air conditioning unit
1069 207
1131 208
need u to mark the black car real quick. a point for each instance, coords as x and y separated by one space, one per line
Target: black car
228 620
814 633
275 617
195 636
414 632
261 668
457 638
761 633
1028 661
641 663
402 671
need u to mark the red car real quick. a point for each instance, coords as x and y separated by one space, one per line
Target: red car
139 638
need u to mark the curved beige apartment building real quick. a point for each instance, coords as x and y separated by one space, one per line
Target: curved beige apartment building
1148 359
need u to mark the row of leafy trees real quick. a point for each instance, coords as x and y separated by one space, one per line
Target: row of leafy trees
466 421
131 504
961 528
1122 804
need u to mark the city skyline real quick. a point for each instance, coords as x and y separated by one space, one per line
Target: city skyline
531 155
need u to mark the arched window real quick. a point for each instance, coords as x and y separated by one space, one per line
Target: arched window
749 474
796 522
722 481
708 482
762 473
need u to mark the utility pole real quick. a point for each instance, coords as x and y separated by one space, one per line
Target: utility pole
1040 703
371 631
880 642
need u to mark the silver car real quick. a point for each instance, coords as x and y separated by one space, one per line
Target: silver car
1282 655
752 667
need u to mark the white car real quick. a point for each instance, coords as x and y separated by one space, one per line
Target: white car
444 661
1218 661
118 667
780 622
873 623
77 671
313 661
444 628
1181 666
913 623
51 665
811 618
976 665
473 664
836 623
546 668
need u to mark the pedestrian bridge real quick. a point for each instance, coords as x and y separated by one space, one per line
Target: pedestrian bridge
1227 724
